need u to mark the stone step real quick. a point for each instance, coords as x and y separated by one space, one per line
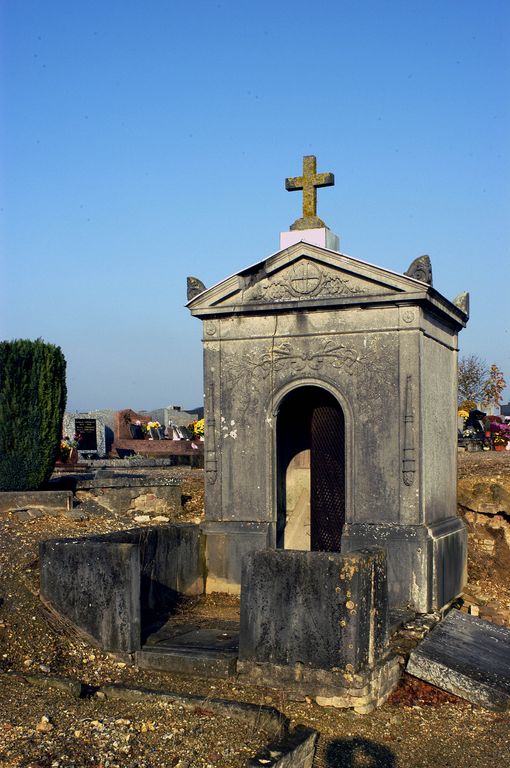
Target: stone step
200 662
192 649
468 657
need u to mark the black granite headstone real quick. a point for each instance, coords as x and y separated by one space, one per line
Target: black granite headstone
87 429
135 431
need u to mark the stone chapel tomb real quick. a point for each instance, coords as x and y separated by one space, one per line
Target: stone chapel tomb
330 402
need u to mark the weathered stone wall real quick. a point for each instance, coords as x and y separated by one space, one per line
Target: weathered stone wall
439 420
147 499
484 498
109 586
317 622
318 609
95 584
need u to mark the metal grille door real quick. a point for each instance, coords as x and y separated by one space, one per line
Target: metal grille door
327 474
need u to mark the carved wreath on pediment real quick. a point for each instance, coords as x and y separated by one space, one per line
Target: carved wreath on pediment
304 280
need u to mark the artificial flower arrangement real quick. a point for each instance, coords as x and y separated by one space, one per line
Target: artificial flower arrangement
197 428
67 444
147 426
499 431
502 435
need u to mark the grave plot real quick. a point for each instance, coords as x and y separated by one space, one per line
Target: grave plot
311 622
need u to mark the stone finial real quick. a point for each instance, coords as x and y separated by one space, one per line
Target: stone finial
195 286
462 302
421 269
309 182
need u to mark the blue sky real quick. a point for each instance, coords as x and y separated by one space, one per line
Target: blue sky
145 141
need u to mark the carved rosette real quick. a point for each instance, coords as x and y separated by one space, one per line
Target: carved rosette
408 453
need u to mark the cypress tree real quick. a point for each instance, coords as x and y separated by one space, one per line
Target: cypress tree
32 402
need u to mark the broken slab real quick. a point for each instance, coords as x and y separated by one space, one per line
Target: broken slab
468 657
57 501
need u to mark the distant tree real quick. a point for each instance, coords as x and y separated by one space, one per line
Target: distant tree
493 387
466 406
32 402
473 374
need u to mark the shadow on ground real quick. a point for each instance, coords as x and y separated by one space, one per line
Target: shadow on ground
358 753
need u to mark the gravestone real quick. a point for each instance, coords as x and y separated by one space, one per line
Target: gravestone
87 428
180 433
91 427
330 405
126 419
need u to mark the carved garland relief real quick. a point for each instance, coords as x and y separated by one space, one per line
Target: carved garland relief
249 371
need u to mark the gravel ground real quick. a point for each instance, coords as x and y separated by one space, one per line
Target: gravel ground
419 727
50 729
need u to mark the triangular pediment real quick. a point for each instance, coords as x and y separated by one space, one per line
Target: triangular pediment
304 273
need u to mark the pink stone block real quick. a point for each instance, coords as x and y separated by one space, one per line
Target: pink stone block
322 237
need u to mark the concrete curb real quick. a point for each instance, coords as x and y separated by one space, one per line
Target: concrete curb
259 716
289 749
295 750
73 688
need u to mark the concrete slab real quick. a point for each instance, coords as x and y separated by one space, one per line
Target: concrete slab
222 636
468 657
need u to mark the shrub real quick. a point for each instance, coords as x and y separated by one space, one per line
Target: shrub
32 403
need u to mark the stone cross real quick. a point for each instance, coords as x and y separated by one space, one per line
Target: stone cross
309 182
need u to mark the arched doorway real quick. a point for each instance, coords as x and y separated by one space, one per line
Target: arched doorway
310 450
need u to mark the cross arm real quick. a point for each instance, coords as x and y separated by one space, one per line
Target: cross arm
324 180
295 182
